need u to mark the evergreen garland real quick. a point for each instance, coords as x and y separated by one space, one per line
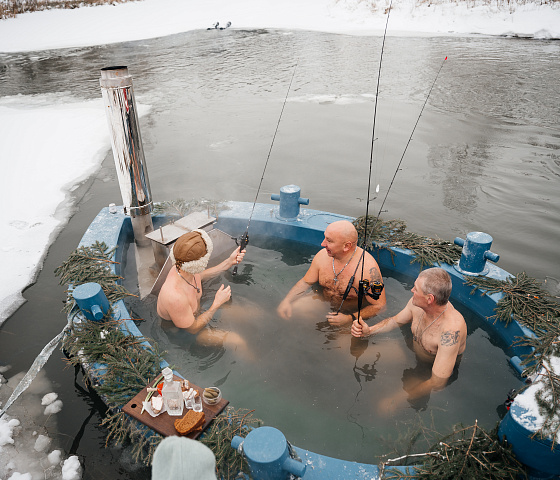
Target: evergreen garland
467 453
527 302
218 437
91 264
393 233
524 300
126 364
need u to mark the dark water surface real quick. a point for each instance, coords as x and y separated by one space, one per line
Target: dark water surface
485 155
304 377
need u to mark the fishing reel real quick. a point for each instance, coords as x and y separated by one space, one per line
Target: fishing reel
241 242
372 290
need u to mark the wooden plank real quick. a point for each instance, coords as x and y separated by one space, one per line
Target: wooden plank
164 423
172 231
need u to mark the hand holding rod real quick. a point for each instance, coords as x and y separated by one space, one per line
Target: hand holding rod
242 245
359 345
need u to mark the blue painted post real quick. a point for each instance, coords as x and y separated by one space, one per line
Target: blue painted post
540 455
267 453
289 201
476 249
92 301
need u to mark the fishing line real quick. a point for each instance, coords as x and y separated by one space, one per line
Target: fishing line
364 286
245 237
404 152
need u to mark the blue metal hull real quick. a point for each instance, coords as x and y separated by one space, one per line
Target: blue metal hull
115 229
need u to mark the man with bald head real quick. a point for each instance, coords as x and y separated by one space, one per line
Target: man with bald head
332 268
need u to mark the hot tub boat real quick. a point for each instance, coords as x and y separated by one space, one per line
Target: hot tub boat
134 226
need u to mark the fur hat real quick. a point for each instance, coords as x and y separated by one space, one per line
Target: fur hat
191 252
180 458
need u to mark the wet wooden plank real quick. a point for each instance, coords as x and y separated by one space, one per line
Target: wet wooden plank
164 423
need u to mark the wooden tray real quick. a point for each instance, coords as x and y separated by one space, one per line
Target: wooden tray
164 423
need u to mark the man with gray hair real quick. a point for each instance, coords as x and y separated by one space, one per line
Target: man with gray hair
439 331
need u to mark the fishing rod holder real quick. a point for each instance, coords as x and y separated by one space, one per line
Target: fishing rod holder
476 250
289 201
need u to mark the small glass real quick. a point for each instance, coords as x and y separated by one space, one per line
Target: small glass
197 404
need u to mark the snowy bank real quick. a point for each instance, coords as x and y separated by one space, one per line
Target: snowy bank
155 18
70 140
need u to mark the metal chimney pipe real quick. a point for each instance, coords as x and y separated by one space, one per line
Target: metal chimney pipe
118 95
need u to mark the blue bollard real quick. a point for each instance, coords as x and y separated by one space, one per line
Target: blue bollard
266 450
92 301
289 201
541 456
476 249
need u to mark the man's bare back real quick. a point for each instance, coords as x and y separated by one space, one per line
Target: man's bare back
179 297
176 291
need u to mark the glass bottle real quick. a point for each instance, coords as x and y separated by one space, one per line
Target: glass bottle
171 393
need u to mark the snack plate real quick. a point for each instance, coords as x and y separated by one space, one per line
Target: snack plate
148 408
164 424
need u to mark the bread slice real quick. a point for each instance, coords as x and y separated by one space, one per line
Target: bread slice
191 422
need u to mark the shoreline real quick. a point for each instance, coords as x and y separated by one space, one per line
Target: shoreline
133 21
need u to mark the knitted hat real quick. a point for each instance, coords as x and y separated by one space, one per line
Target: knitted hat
180 458
192 251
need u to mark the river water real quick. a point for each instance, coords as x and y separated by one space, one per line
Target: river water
484 157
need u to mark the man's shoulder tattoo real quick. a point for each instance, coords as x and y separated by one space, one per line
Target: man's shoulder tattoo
375 276
449 338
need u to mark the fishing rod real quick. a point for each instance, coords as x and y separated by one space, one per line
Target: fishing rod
245 237
362 286
365 288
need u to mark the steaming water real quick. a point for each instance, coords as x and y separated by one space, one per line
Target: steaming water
304 378
485 155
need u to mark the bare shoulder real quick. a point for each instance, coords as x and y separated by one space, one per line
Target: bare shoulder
372 267
321 259
415 312
407 314
170 296
455 319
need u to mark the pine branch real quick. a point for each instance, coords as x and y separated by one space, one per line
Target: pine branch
91 264
229 462
393 233
466 453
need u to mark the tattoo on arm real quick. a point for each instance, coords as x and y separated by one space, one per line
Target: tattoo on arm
375 276
449 338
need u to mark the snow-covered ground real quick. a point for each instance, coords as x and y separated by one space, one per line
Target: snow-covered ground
155 18
51 120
